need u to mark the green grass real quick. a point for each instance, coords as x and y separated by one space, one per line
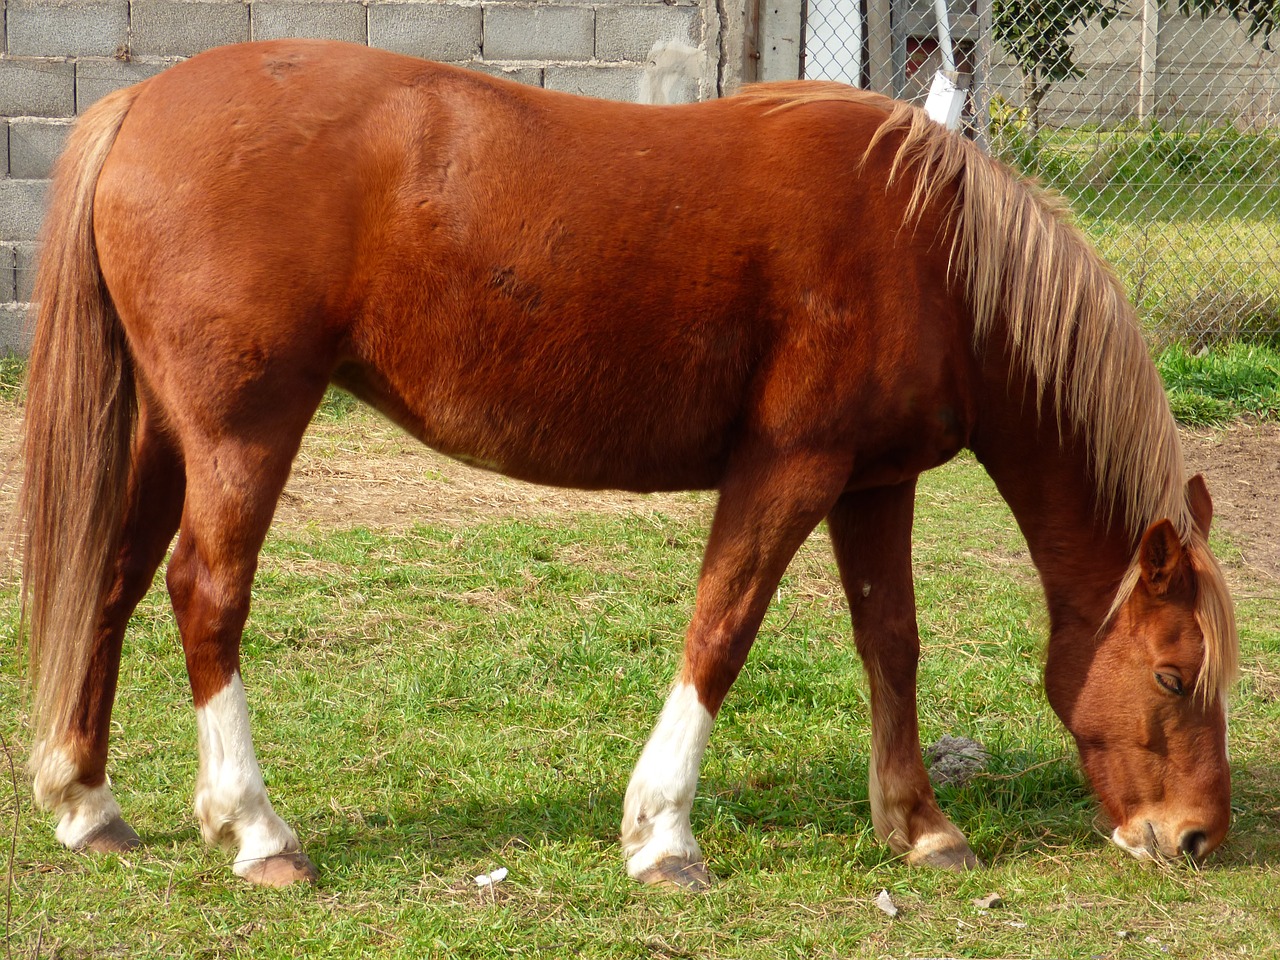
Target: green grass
13 374
432 704
1215 386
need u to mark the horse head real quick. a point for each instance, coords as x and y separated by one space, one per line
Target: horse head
1145 699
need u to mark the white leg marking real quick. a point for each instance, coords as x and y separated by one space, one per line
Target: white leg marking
81 810
886 818
891 809
231 799
655 817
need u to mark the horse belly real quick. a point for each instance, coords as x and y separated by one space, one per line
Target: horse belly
585 399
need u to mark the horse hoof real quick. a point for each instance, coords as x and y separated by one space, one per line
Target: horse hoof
114 836
676 874
281 870
957 859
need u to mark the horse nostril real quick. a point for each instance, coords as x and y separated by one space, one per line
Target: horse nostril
1193 843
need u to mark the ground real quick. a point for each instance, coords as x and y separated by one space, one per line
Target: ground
360 471
1242 464
357 470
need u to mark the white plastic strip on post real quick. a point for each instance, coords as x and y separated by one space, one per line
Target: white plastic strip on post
946 99
944 37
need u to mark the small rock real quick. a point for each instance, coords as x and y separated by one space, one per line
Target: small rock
953 760
885 903
990 902
1125 934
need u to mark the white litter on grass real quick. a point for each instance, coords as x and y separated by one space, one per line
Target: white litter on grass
885 903
489 879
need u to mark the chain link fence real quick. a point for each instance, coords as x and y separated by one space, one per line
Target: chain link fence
1159 122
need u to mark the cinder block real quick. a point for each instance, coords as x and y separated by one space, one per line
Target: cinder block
1120 41
607 83
172 28
8 281
629 33
324 21
539 33
1190 43
96 78
67 28
21 208
15 337
4 145
34 145
528 75
25 269
437 31
37 88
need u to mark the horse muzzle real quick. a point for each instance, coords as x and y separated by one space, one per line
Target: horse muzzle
1150 840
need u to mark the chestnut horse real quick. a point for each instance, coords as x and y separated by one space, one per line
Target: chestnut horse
801 297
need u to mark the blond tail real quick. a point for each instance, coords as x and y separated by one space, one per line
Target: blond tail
81 408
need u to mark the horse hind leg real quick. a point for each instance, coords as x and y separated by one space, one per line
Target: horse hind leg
762 518
871 534
233 484
70 776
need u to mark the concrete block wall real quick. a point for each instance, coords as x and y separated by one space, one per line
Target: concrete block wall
60 56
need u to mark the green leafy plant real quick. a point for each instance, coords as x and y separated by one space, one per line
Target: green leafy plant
1038 36
1218 385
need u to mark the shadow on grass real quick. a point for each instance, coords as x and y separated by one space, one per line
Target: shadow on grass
1042 803
1024 804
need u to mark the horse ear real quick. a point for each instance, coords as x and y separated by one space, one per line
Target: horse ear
1201 503
1159 556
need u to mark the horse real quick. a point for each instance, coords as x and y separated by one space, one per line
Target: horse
801 297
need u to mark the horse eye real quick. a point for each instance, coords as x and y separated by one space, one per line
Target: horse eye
1171 682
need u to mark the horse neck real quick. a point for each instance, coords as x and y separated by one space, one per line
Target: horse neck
1042 472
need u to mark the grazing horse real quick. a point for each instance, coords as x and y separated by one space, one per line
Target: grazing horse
801 297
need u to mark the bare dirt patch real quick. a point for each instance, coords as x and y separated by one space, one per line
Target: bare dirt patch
361 471
1241 462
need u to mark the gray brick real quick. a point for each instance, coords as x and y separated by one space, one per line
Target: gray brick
629 33
608 83
539 33
8 282
67 28
527 75
37 88
14 335
437 31
172 28
34 145
21 208
96 78
325 21
25 269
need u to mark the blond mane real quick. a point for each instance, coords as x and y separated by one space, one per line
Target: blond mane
1031 273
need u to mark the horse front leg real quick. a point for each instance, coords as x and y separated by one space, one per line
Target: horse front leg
763 516
871 534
